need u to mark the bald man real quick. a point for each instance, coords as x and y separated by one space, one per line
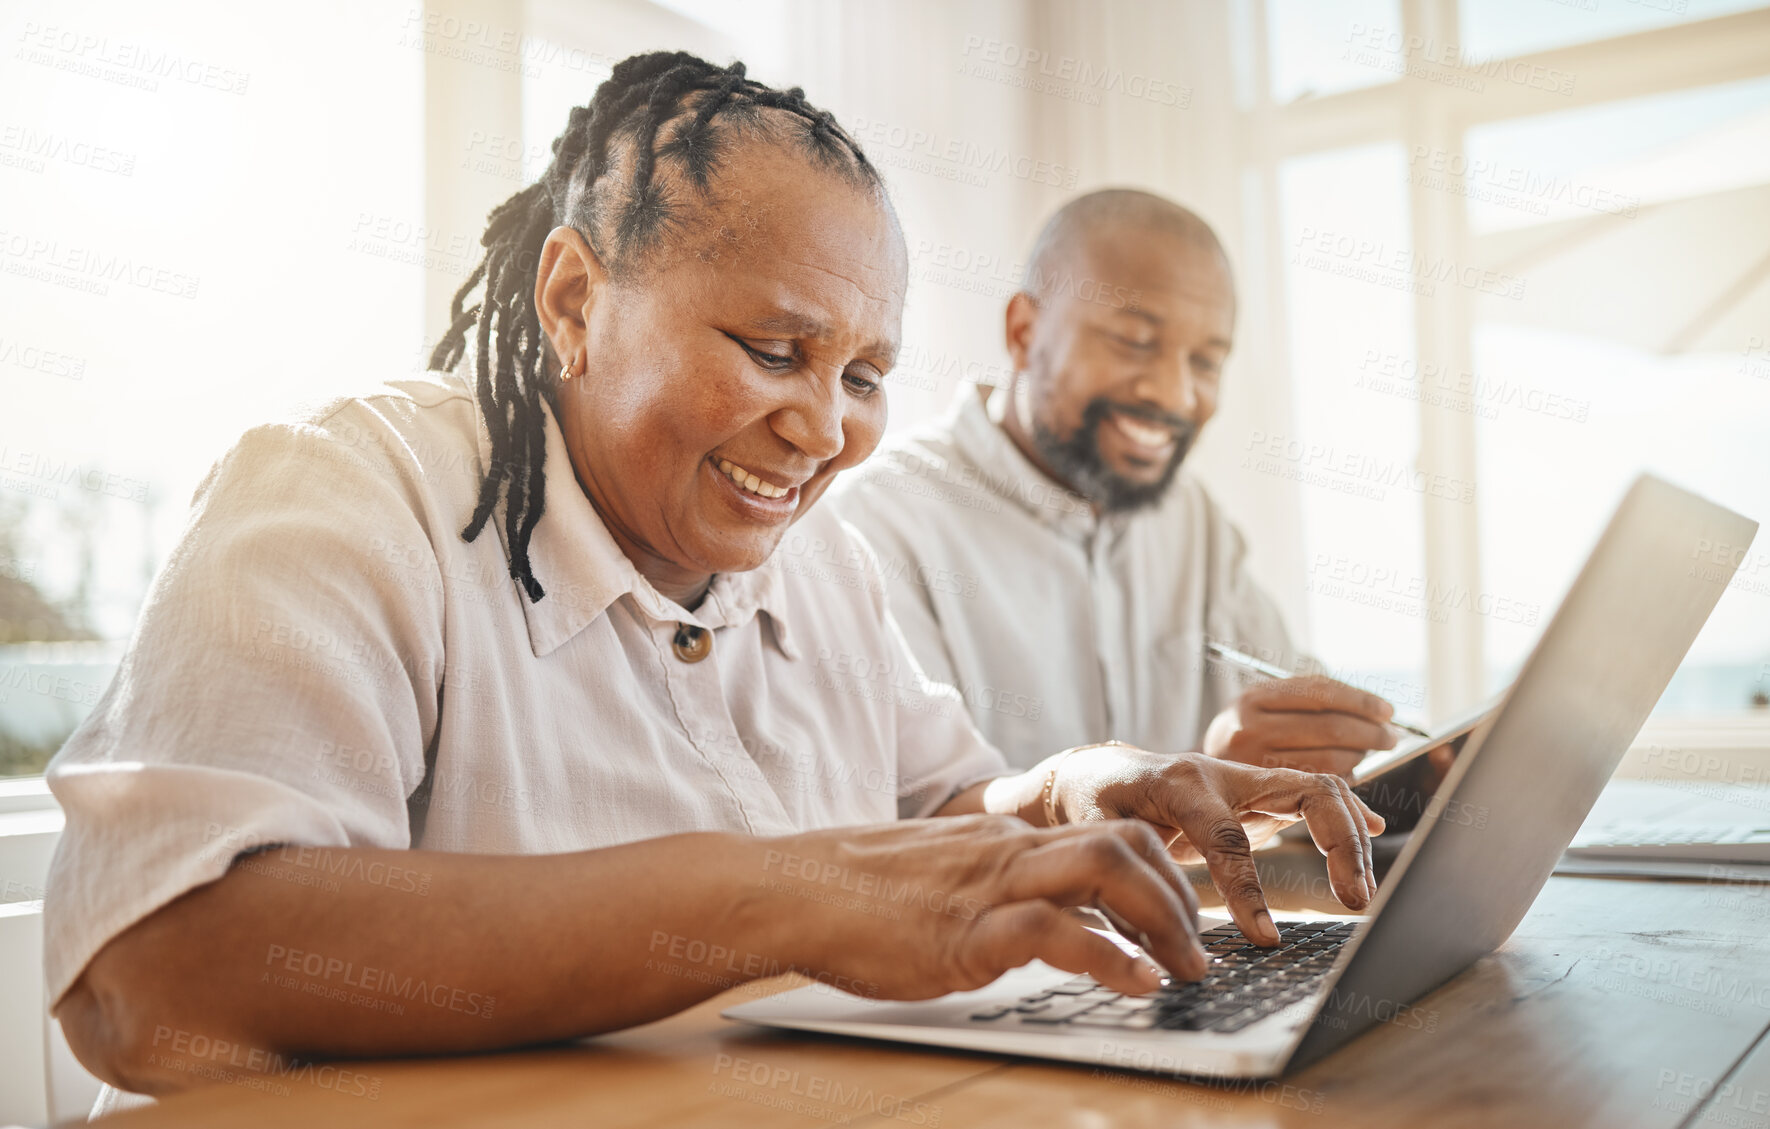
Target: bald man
1043 550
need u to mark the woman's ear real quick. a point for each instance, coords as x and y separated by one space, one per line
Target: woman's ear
569 279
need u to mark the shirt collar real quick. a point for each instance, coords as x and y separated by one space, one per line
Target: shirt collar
1003 469
582 570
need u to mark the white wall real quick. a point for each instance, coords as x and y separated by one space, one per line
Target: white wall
1135 93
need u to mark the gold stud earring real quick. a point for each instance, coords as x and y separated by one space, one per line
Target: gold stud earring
565 373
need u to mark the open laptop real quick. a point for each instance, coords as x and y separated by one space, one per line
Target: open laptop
1511 797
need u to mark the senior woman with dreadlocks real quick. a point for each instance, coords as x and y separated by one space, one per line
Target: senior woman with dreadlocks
488 708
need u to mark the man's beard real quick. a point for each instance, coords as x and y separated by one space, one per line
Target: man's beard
1078 461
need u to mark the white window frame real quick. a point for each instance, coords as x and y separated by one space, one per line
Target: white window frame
23 795
1414 112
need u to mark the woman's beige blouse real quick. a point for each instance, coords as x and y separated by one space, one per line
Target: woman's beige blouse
324 662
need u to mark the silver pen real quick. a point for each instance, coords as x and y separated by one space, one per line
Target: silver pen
1259 666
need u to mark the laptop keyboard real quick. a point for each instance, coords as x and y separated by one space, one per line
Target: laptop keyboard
1244 983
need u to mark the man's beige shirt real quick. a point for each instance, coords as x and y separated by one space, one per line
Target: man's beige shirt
1057 627
324 662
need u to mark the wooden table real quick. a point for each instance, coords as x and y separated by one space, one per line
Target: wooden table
1617 1003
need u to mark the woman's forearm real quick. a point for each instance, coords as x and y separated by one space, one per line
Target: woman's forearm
326 953
1005 795
1021 794
330 952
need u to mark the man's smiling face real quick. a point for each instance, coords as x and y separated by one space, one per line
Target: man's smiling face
1119 351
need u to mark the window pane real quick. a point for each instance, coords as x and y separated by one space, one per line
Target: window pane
1611 160
1638 344
202 229
1349 303
1501 29
1326 46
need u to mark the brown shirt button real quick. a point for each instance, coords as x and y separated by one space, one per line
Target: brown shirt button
692 643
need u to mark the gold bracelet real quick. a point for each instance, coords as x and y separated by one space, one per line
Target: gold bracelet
1048 794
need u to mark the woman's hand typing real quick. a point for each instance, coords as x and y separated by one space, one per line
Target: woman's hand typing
1206 810
924 907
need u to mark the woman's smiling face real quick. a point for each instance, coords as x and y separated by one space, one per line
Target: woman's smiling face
752 343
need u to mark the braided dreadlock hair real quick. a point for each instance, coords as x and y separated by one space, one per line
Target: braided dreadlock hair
657 126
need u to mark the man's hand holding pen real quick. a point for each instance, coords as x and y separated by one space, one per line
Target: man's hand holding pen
1311 723
1305 722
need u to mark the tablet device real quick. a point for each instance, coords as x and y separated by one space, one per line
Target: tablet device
1398 783
1450 733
